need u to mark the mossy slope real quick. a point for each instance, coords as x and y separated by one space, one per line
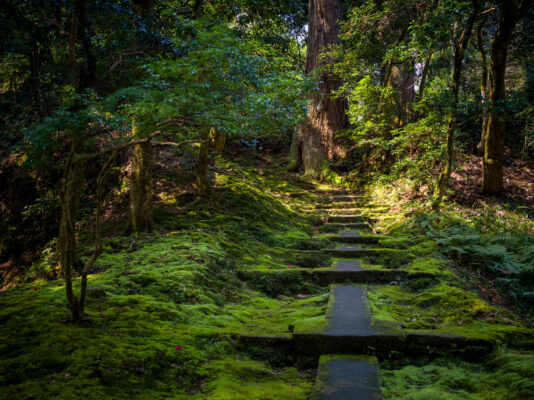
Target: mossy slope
165 308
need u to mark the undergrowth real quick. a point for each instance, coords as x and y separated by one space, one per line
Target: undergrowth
508 376
166 309
480 261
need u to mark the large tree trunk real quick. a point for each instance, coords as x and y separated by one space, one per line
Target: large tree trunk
459 51
141 187
510 13
326 114
402 82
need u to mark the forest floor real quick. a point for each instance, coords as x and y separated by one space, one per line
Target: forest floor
518 181
207 306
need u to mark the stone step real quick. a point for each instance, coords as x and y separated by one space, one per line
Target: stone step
334 227
345 219
351 270
354 237
341 271
342 211
334 192
347 327
351 252
357 252
344 197
418 342
347 378
347 204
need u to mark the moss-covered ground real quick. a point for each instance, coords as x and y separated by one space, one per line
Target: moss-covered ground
508 376
166 309
481 266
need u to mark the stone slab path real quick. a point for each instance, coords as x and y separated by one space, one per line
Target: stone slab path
343 378
348 333
348 326
350 313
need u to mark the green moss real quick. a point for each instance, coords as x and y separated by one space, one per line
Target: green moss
443 307
310 325
509 376
172 306
246 379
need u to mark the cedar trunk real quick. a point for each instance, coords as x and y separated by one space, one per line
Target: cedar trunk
326 114
141 188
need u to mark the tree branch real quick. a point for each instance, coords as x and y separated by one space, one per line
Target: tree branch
92 156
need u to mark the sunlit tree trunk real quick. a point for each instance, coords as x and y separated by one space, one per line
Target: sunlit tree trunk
202 178
326 115
218 140
509 14
211 148
459 50
402 82
141 186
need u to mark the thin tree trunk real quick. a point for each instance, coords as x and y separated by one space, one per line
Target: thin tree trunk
35 78
483 83
202 178
459 51
510 13
424 76
70 193
141 186
326 115
293 161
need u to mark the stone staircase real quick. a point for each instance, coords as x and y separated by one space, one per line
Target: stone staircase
348 340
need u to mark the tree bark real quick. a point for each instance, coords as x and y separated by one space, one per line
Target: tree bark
70 193
218 140
35 77
326 114
483 83
141 186
402 82
89 77
459 50
293 161
202 178
386 106
510 13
